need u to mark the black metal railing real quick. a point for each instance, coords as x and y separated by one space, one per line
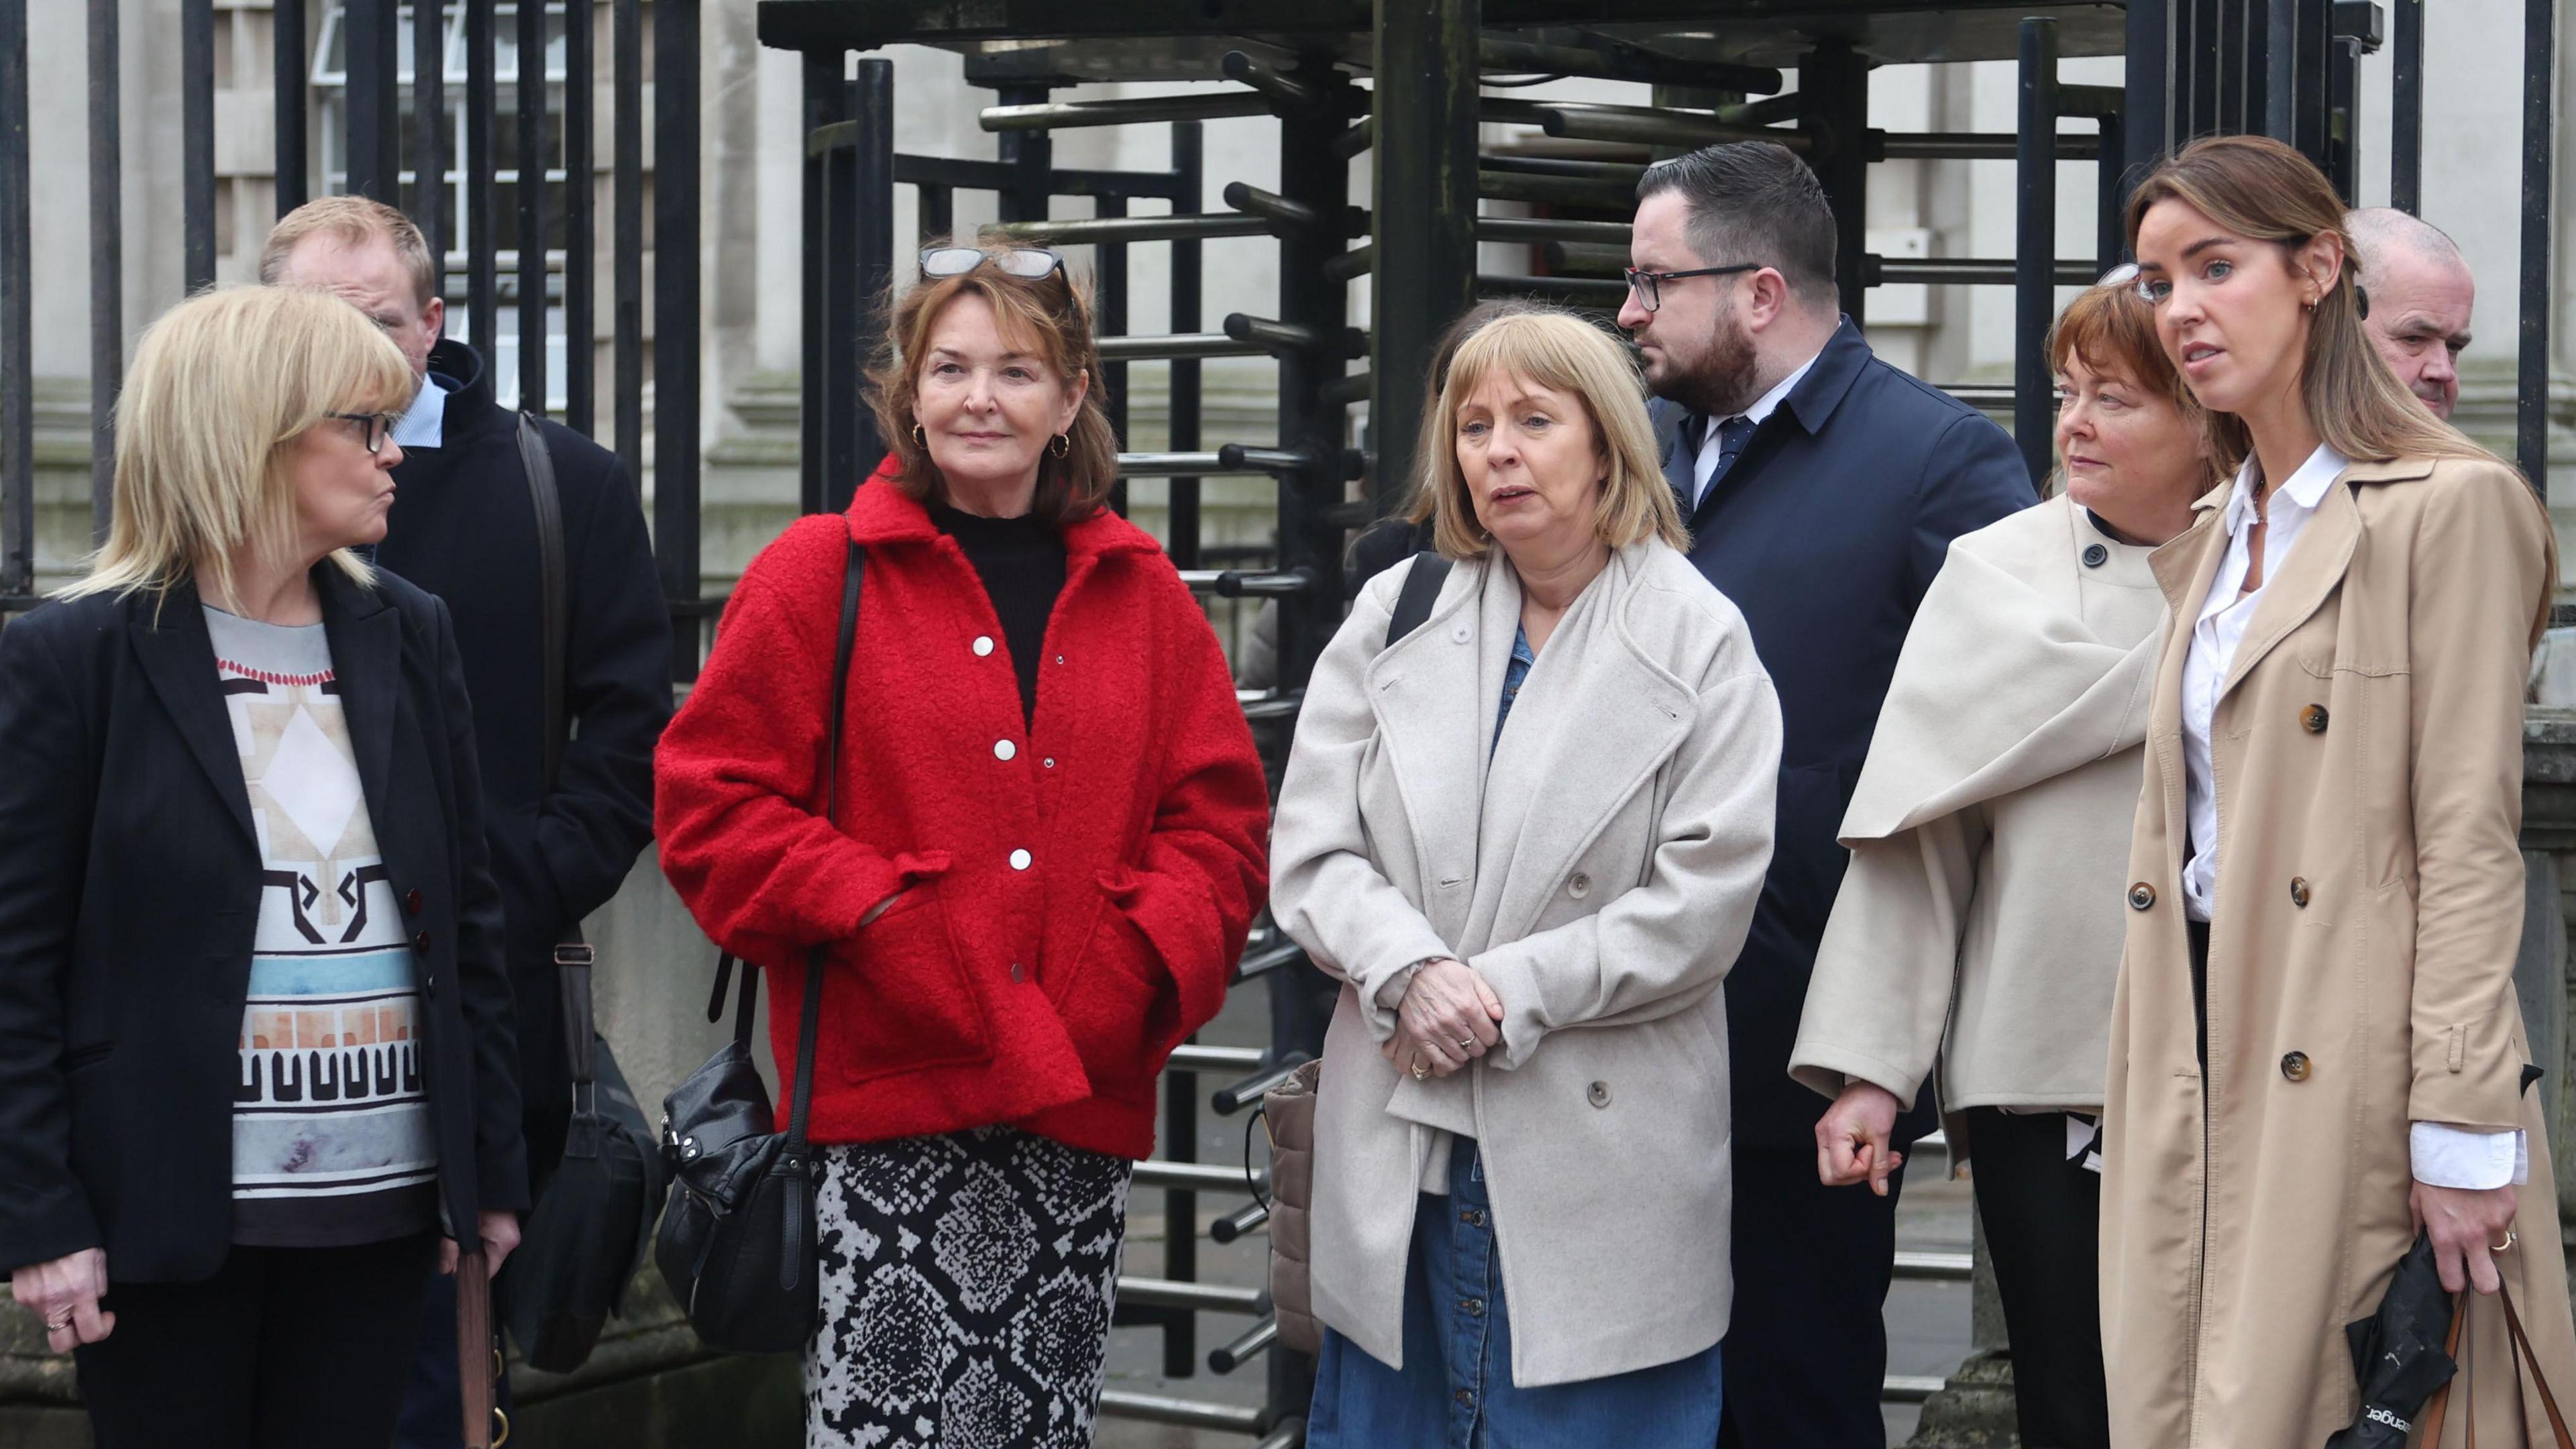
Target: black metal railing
552 230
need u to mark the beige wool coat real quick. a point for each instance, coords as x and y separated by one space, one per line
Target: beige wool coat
2367 754
1980 921
1600 872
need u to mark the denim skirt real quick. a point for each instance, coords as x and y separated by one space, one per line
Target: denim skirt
1455 1390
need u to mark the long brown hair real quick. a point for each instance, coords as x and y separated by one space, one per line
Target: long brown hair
2111 329
2263 190
1048 317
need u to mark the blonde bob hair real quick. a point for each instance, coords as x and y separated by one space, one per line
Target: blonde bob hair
220 385
1562 352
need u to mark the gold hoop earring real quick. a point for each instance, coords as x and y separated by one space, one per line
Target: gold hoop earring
919 439
1061 446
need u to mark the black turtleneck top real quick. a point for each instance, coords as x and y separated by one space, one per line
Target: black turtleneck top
1021 561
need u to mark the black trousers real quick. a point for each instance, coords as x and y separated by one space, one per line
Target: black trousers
296 1348
1806 1352
2042 1215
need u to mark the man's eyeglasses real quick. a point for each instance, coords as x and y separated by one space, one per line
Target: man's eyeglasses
373 428
1647 286
1026 263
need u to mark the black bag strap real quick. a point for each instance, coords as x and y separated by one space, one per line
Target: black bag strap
1421 589
573 956
802 1104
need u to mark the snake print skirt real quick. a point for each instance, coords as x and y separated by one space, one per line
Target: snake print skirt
966 1292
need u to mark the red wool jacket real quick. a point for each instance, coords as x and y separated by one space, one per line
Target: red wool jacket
1062 900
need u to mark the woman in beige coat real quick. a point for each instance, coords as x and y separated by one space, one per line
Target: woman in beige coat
2316 1049
1528 836
1979 923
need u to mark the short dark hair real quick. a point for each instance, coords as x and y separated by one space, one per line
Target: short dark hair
1754 201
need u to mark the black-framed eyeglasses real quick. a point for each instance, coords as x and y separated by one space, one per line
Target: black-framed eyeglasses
1647 286
1026 263
373 428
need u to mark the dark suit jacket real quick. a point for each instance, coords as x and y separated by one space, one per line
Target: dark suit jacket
462 528
1825 533
129 893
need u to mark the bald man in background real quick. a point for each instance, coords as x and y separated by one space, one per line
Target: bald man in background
2421 294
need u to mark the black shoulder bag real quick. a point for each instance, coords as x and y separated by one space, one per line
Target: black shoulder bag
583 1242
738 1240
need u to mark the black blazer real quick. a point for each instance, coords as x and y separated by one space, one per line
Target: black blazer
129 892
1825 532
462 529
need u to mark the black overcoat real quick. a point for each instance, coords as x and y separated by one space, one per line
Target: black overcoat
129 894
1826 532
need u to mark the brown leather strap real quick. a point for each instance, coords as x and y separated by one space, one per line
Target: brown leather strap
2524 1353
2431 1420
474 1348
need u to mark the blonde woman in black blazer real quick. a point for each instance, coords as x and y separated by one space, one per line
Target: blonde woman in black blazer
255 1044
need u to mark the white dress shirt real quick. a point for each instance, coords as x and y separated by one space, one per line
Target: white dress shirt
1763 407
2442 1155
424 423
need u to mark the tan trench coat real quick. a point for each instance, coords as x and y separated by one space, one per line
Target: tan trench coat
2368 757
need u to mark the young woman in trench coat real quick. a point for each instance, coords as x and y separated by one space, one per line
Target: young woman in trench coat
2325 853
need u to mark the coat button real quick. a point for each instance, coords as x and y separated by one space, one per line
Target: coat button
2095 555
1580 886
2299 891
420 942
1460 633
1004 749
1018 972
429 985
2313 719
2141 896
1599 1096
983 645
411 903
1019 860
2295 1066
1049 762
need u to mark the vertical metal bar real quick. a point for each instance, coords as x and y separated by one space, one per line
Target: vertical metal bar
482 190
429 136
106 261
530 238
2035 243
1837 79
1181 1094
1425 233
869 267
2406 109
675 317
369 35
2146 110
826 100
1109 319
938 208
2343 117
2539 148
2281 70
291 63
2312 80
2109 238
196 142
17 315
2239 89
1189 149
581 219
626 232
1032 154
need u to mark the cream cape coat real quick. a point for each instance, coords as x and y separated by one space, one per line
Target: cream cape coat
1600 873
1990 829
2250 1214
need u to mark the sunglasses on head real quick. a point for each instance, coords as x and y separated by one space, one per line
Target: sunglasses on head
1027 263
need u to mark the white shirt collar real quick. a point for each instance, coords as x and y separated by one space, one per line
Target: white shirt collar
1769 403
2306 487
424 423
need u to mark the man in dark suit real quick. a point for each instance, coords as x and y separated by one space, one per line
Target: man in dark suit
1822 488
463 528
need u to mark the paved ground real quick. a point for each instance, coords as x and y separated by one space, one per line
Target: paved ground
1927 1323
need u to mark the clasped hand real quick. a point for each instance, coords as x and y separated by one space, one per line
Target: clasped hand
1448 1018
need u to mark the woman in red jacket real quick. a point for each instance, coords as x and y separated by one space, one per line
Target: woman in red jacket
1048 850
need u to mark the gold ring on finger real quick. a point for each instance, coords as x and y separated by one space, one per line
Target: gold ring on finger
2510 1238
57 1325
1420 1070
1466 1043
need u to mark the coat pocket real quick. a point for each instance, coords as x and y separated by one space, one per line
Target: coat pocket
1118 1000
896 997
